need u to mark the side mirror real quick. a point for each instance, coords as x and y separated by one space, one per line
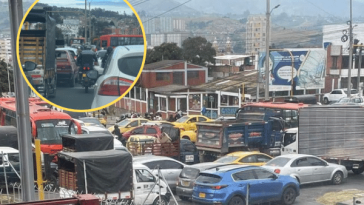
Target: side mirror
29 66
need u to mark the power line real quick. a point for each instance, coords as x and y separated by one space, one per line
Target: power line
168 11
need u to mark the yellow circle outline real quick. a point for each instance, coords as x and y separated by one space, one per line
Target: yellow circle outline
73 110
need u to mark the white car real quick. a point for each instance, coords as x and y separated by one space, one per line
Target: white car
99 55
307 168
337 94
120 72
354 100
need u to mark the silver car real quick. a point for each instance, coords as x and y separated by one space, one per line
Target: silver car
307 168
170 168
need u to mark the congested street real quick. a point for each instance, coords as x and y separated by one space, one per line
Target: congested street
73 98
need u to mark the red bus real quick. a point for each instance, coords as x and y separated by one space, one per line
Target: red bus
46 124
288 111
120 40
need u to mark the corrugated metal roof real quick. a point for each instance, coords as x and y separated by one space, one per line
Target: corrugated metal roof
168 89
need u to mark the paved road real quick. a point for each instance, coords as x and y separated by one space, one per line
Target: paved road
309 193
73 98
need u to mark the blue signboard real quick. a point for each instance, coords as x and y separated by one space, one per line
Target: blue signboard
225 111
208 114
308 70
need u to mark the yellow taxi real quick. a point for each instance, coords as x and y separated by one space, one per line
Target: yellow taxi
140 144
190 135
128 124
247 158
188 122
102 119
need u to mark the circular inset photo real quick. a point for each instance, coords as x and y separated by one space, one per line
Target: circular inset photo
81 56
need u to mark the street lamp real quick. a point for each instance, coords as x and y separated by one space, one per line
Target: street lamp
267 50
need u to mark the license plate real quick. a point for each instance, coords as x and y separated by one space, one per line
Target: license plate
84 75
202 195
190 158
185 183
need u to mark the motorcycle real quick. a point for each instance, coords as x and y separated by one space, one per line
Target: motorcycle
88 75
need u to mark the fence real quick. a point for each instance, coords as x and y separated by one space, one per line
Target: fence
53 193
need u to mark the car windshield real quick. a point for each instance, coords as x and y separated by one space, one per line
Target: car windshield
124 123
190 173
50 131
352 91
90 120
130 65
183 119
227 159
278 162
208 178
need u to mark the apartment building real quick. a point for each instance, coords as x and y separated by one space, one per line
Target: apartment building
255 34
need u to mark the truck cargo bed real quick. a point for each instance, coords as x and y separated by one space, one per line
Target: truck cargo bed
332 132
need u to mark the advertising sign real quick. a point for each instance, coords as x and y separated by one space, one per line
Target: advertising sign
307 72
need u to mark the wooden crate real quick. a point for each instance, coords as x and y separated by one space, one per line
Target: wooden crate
32 49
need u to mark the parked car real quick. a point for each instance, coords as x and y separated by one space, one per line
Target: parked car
188 152
67 69
228 185
189 122
354 100
307 168
337 94
119 74
91 121
186 179
170 168
247 158
128 124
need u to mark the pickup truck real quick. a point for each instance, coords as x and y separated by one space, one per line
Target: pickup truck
251 130
334 133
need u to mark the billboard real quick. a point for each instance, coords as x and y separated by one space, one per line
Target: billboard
307 71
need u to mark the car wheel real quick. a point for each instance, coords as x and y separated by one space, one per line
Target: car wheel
162 202
186 137
184 198
289 196
337 178
358 171
236 200
326 101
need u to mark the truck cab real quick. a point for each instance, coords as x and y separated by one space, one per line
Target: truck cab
290 142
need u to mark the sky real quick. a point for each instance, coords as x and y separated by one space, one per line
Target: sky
112 5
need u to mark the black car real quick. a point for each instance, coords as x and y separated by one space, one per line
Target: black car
188 152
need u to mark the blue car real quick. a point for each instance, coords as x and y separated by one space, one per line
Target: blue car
228 185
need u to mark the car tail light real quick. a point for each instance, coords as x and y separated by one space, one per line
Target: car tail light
277 171
114 86
86 68
219 187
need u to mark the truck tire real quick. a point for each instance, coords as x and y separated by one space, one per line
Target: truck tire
163 202
289 196
358 171
337 178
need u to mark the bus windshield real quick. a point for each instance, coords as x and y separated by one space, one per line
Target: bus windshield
50 131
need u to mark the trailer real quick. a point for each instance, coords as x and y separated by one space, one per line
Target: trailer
334 133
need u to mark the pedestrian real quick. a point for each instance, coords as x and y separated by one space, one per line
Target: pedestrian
119 135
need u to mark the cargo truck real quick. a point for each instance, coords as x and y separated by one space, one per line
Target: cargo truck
334 133
260 130
37 44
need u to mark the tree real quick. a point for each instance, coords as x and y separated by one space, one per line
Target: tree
166 51
198 51
4 83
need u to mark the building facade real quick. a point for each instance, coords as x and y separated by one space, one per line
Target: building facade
5 49
255 34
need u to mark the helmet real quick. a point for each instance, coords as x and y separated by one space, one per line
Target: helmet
109 49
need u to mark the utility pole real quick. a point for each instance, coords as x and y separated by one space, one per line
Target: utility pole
351 50
85 21
22 109
359 68
266 94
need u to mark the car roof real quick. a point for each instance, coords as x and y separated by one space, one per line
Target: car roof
151 158
294 156
207 165
243 153
8 150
